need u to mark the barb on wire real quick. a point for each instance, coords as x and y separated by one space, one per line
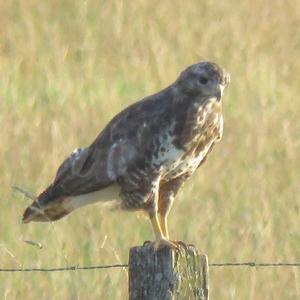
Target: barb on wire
97 267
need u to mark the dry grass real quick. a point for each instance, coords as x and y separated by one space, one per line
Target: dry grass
68 66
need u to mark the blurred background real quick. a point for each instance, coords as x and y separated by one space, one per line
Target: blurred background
67 67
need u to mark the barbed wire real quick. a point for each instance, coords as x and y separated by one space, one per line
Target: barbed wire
254 264
60 269
97 267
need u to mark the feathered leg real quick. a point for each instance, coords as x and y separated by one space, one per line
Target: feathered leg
142 193
167 193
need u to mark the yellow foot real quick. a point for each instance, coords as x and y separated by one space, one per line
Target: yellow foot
181 245
161 243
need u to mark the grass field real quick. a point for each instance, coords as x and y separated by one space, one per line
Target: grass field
66 67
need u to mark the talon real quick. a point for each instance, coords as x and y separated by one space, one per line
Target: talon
182 246
191 246
146 243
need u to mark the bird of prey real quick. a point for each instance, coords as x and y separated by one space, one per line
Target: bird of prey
144 154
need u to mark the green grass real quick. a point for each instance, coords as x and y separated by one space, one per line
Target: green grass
66 67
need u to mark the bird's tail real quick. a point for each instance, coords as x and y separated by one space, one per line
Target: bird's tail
53 204
46 208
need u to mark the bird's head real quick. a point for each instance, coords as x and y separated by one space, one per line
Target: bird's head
204 79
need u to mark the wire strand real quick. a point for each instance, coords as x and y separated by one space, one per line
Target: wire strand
97 267
60 269
254 264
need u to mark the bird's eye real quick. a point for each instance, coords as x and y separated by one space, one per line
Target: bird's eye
203 80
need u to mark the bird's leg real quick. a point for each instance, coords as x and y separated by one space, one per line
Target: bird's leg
152 209
164 226
164 229
167 193
164 206
156 227
160 239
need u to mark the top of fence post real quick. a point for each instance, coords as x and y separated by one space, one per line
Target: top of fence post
167 275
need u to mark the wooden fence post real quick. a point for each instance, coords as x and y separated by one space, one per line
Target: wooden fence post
167 275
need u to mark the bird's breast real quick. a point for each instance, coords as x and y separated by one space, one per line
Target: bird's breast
181 151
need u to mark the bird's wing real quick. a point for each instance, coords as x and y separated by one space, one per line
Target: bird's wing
81 172
121 145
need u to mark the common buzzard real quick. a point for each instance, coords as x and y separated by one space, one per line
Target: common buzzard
144 154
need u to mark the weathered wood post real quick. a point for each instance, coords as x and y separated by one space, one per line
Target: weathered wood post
167 275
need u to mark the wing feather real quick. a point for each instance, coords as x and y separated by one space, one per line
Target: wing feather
120 145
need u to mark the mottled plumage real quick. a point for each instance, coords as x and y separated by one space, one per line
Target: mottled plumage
145 153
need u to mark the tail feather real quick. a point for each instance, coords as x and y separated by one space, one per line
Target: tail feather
46 208
53 204
33 213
